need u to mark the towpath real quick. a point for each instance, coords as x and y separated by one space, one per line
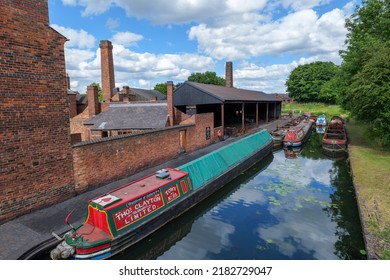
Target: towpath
25 232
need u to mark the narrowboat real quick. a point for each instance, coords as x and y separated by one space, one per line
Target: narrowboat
120 218
337 119
321 120
335 138
297 135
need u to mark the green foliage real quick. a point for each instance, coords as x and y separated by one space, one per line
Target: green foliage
306 81
366 69
370 93
100 93
207 78
161 87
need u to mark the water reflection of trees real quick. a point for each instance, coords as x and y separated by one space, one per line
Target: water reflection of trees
343 210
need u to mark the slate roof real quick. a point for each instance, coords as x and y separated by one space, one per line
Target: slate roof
131 116
81 99
147 94
197 93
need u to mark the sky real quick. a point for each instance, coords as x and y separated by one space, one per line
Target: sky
157 40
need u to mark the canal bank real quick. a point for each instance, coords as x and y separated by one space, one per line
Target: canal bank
30 230
370 168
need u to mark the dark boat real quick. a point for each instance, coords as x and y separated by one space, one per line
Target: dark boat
122 217
335 138
279 133
298 135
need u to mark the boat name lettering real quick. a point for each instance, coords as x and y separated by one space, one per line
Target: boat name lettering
142 198
137 211
171 193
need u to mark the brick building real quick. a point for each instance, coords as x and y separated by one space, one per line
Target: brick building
36 157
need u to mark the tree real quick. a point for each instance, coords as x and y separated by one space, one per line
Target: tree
161 87
366 67
100 93
367 28
207 78
370 92
306 81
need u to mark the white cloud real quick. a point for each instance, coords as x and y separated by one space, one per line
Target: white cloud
302 4
297 33
77 38
224 30
176 12
126 39
112 23
70 2
135 69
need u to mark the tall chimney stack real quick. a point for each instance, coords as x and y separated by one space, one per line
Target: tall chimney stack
229 74
93 101
107 66
170 102
67 81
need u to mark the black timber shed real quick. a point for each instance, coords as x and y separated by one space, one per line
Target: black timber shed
232 107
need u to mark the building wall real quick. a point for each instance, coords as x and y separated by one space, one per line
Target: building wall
36 158
101 161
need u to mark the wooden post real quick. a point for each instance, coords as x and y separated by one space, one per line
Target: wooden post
266 118
243 116
257 114
223 118
275 112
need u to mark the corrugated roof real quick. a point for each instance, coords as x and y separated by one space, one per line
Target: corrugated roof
218 94
131 116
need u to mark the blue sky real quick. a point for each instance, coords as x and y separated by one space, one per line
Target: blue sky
157 40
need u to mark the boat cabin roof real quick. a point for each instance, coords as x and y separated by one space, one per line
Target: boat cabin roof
138 189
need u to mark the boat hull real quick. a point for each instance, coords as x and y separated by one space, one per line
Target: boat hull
307 129
335 138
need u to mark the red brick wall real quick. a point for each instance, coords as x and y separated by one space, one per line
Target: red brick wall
36 158
99 161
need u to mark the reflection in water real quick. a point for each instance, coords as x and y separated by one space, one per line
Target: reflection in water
300 208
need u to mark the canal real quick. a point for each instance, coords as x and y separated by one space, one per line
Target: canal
294 205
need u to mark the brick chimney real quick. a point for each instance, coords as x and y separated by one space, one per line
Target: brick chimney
126 93
72 104
229 74
93 101
67 81
170 103
107 66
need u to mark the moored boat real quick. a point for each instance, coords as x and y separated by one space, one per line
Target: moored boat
122 217
337 119
321 120
297 135
335 138
279 133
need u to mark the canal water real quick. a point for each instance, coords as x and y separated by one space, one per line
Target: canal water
295 205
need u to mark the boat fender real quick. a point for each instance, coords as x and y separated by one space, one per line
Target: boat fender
219 133
62 251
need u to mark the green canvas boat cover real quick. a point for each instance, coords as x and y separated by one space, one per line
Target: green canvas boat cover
210 166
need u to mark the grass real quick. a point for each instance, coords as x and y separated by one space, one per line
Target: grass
314 109
371 175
